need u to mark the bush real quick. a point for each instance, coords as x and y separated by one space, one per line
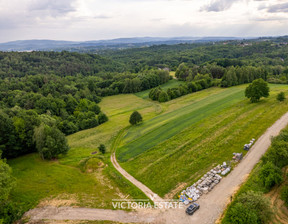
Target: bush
163 97
241 214
192 87
102 148
277 153
154 93
284 195
102 118
281 96
251 207
135 118
270 175
10 212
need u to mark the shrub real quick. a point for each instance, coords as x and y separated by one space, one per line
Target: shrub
278 152
251 207
192 87
270 175
135 118
284 195
102 118
281 96
163 97
102 148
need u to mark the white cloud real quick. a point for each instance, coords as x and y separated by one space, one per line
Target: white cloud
101 19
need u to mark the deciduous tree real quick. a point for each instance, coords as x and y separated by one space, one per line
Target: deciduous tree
135 118
257 89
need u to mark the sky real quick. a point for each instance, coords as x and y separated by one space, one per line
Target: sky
80 20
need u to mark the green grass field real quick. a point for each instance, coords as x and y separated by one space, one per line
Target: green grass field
166 125
62 179
179 146
178 141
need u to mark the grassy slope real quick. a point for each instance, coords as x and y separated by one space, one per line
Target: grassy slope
37 179
166 125
206 132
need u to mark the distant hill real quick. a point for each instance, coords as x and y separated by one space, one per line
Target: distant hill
120 43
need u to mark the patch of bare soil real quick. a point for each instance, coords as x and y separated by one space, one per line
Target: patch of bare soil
61 200
280 210
178 188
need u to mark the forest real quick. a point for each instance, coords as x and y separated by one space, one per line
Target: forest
45 96
63 89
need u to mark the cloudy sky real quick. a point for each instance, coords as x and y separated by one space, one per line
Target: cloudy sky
107 19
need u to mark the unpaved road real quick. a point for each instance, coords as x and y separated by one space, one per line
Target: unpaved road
150 194
69 213
212 204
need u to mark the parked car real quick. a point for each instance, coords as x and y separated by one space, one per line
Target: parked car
192 208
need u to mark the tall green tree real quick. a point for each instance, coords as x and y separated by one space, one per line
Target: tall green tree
257 89
135 118
182 71
50 141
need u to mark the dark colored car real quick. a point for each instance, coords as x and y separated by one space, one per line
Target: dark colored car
192 208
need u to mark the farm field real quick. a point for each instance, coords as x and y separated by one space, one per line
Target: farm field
178 146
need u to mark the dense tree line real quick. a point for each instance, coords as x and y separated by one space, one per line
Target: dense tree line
19 133
9 211
230 76
205 76
199 82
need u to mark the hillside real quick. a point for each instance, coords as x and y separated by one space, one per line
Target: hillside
93 45
194 133
189 147
89 98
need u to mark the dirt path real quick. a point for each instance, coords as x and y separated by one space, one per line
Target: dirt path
142 187
212 204
69 213
150 194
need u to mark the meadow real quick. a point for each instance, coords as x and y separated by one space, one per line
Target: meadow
81 178
178 146
178 141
